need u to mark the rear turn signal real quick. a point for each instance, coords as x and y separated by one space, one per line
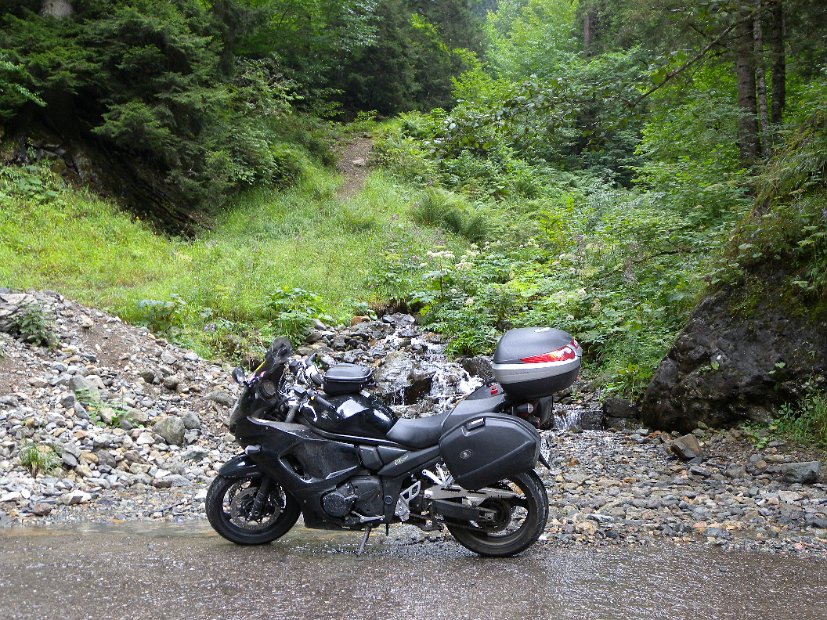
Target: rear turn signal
563 354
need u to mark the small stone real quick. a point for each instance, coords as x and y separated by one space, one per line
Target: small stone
75 497
686 447
222 398
172 429
191 420
80 385
195 453
699 471
41 509
802 473
736 471
38 382
145 439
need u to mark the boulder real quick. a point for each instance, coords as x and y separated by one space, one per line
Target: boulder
730 365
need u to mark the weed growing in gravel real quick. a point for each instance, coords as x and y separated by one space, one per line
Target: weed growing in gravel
38 458
34 326
103 414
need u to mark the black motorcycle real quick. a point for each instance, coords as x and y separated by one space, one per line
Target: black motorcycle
322 446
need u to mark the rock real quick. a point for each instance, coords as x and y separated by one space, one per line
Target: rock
149 376
478 366
803 473
191 420
736 471
195 453
686 447
75 497
220 397
172 429
727 367
619 408
11 305
401 377
84 388
41 509
145 439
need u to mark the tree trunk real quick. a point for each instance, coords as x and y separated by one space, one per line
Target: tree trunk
745 74
778 59
588 31
761 82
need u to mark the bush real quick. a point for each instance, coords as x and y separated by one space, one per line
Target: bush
33 326
453 212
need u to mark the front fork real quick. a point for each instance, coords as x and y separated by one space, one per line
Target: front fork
261 497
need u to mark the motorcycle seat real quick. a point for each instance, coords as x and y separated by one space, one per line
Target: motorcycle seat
418 433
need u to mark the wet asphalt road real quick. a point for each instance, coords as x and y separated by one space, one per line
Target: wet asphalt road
186 571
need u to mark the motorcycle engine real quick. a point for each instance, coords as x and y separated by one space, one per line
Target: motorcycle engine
362 494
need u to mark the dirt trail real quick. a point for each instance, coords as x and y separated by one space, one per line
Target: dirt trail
353 164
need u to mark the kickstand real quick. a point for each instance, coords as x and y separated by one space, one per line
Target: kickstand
362 544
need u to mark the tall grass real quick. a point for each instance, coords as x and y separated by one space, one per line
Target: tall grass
212 289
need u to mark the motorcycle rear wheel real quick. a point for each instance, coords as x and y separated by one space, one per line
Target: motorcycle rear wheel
520 523
229 507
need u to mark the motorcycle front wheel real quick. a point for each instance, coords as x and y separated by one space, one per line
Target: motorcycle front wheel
232 510
519 519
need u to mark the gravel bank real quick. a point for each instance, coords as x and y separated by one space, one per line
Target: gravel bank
136 427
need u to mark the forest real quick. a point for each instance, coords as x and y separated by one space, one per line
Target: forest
596 165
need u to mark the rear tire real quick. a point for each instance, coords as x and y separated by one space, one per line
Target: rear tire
524 519
230 501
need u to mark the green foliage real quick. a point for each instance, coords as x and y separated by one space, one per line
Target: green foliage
292 311
452 212
806 421
13 92
32 325
109 413
788 227
91 251
164 317
145 78
38 458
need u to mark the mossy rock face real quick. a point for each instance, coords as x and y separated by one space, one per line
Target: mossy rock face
735 362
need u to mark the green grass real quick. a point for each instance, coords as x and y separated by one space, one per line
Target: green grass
68 240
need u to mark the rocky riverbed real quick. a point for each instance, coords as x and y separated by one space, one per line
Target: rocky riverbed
134 429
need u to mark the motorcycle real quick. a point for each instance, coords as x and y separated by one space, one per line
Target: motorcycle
320 445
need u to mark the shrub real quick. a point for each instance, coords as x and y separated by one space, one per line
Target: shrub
33 326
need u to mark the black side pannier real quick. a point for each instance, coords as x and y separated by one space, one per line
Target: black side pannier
489 447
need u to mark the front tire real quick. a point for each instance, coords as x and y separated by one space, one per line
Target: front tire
230 510
523 519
